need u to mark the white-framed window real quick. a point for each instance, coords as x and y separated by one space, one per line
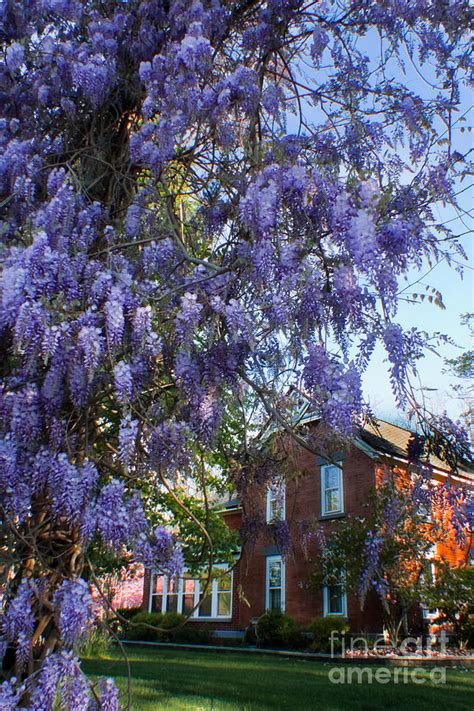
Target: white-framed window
334 600
276 501
423 505
429 577
157 592
275 584
182 593
332 499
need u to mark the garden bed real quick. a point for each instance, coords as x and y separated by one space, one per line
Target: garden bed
464 659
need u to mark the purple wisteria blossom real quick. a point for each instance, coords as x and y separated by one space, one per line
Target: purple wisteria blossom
306 534
109 699
127 439
61 678
119 517
369 577
160 551
123 381
75 608
18 622
90 341
282 536
10 695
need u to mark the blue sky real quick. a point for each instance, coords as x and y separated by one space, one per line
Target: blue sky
458 297
457 291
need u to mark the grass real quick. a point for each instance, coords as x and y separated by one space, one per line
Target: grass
181 681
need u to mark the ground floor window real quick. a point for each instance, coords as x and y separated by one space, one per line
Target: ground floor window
183 593
275 584
334 600
428 576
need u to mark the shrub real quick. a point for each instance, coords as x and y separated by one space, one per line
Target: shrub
189 634
250 636
452 594
129 612
321 629
172 628
139 631
170 620
97 642
466 634
274 629
178 631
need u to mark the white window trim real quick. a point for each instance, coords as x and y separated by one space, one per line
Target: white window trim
214 593
326 603
323 469
275 559
422 512
214 597
268 515
426 612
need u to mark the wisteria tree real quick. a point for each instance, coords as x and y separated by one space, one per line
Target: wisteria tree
201 201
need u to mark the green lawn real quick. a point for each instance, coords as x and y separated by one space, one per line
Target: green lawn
179 681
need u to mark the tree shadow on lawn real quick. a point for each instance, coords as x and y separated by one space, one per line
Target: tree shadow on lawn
176 681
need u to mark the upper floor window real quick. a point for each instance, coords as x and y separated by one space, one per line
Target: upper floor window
331 489
334 600
276 500
275 584
212 600
424 504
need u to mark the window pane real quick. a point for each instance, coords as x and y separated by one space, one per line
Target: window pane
188 604
205 607
223 604
276 501
274 578
189 586
275 599
335 594
275 513
332 478
158 583
172 603
332 500
224 582
188 595
173 584
156 603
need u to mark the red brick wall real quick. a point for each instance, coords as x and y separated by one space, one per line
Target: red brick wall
303 501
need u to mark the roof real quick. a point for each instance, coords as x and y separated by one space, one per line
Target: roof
392 440
381 438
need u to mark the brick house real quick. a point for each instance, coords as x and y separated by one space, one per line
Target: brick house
263 579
